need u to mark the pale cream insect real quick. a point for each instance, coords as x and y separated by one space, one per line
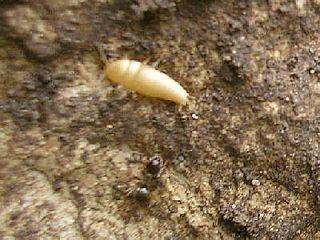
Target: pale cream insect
146 80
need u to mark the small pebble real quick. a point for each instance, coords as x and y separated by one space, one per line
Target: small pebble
194 116
255 182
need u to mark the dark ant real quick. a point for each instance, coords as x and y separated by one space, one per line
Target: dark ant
154 165
141 192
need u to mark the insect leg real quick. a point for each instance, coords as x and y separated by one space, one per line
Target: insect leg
100 47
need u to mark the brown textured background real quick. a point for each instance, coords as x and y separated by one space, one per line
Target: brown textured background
242 161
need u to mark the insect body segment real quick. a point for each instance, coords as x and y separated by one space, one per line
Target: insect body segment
146 81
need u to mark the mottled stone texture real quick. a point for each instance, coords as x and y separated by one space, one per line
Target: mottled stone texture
241 161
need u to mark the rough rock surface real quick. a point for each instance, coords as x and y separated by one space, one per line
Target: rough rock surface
241 161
